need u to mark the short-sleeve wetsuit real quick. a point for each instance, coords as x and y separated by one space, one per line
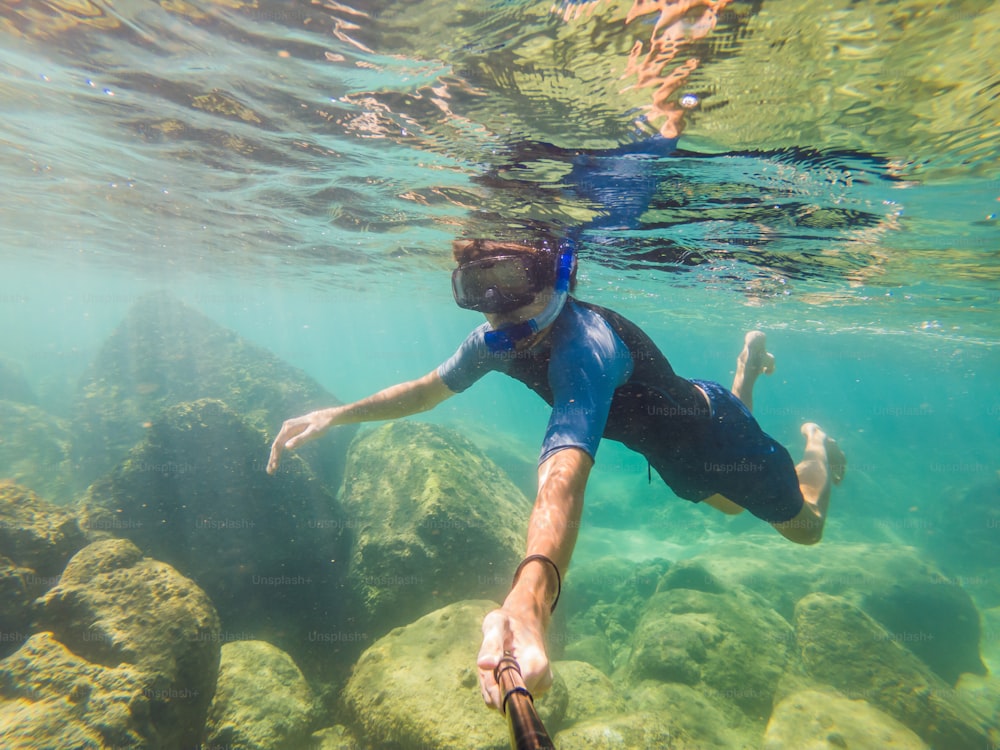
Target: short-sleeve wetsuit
604 377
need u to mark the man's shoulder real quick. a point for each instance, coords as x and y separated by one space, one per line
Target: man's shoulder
589 315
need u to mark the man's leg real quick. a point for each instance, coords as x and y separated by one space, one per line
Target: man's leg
822 467
753 360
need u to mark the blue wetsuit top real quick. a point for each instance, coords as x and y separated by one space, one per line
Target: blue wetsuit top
604 377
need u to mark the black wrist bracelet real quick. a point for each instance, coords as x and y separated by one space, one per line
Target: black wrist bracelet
541 558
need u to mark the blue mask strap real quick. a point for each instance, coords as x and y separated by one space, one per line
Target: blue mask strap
506 338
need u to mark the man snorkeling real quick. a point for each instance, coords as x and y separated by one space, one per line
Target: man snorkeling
603 377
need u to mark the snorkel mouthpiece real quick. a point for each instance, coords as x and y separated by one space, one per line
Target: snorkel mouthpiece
506 338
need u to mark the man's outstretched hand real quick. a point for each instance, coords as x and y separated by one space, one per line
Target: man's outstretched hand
295 432
524 638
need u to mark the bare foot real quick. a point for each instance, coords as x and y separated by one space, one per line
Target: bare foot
820 445
753 360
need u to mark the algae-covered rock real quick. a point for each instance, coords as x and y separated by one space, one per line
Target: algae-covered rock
36 534
418 688
36 540
192 494
982 695
814 720
35 451
663 716
337 737
632 731
52 698
842 646
590 692
892 583
435 521
262 701
603 601
965 542
165 353
728 646
129 656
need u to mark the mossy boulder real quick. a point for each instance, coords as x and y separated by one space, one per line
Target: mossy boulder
631 731
337 737
418 688
729 646
892 583
165 352
434 521
694 720
36 541
262 701
35 451
602 603
841 646
589 693
52 698
128 656
36 534
824 719
964 543
662 716
193 493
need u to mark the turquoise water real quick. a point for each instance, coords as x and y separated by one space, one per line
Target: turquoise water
296 172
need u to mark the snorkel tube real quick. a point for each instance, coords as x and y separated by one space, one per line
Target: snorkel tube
506 338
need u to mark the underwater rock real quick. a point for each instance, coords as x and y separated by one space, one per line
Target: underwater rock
130 653
193 495
165 353
695 721
35 451
842 646
891 583
418 688
434 521
35 534
814 720
633 731
262 701
14 386
15 605
594 650
36 540
965 542
337 737
602 602
982 694
663 716
52 698
590 693
728 646
936 620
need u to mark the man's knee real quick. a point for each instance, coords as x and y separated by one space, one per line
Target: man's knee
727 506
805 528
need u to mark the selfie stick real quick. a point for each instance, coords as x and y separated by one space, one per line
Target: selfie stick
526 730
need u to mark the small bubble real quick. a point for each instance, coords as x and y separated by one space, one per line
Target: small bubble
689 101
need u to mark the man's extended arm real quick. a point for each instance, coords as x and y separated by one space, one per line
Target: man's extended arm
393 402
520 624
